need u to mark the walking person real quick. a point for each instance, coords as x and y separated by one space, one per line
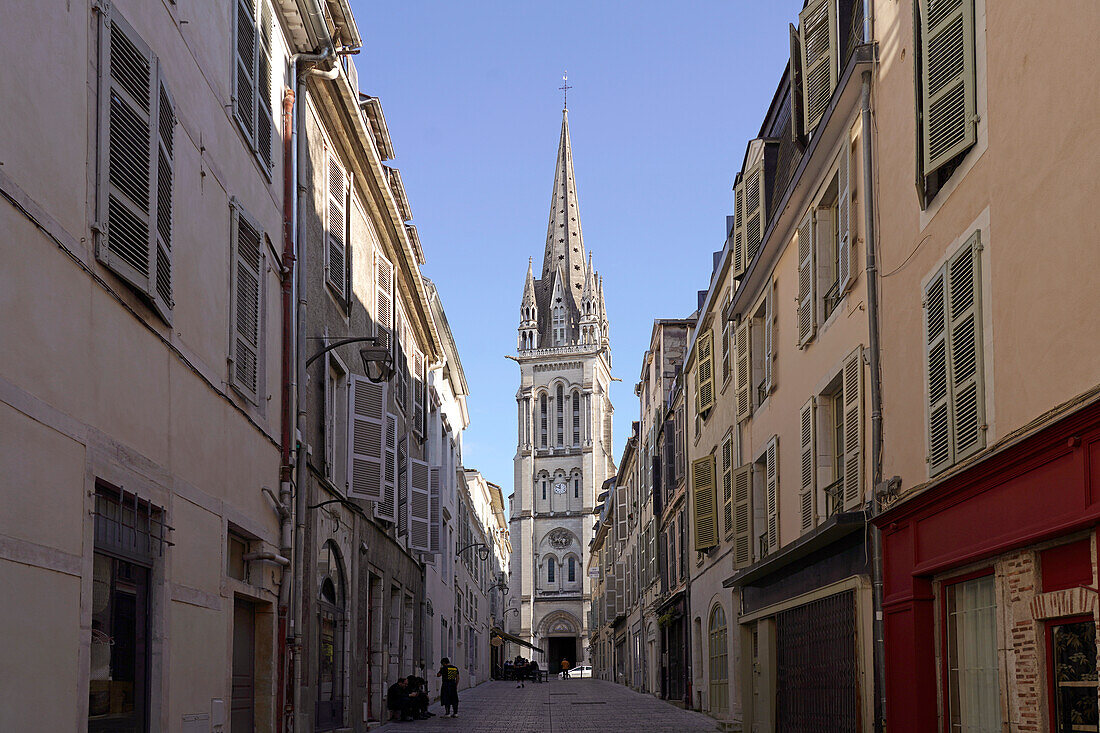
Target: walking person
521 671
565 669
448 692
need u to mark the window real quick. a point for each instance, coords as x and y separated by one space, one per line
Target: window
761 358
542 419
572 570
247 313
252 77
336 421
549 570
134 196
118 682
576 487
576 418
560 410
953 359
727 368
559 325
971 674
1071 654
544 489
719 662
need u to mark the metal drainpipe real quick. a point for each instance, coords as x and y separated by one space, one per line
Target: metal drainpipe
876 402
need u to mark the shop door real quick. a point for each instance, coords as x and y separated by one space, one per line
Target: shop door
816 673
242 710
1071 650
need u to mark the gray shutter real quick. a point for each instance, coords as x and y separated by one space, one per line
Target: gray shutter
771 479
265 122
844 223
935 329
336 227
366 453
948 99
820 58
807 277
244 55
742 516
620 589
853 430
246 319
161 246
739 261
808 484
383 304
754 211
386 507
965 354
420 505
743 368
769 339
727 485
435 515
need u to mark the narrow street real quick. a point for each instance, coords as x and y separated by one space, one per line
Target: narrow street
560 706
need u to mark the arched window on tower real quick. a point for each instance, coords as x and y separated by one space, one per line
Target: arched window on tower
549 570
576 487
542 410
572 570
561 416
576 418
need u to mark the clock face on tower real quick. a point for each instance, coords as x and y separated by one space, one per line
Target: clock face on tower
559 488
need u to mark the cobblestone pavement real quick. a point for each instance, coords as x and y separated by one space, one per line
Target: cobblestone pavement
559 706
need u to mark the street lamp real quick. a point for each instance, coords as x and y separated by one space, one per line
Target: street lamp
377 360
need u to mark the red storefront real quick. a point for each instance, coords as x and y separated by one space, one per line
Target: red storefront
990 594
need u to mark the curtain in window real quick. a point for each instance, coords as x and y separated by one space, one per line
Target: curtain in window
973 686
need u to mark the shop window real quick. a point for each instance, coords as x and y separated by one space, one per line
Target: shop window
971 680
719 662
1071 653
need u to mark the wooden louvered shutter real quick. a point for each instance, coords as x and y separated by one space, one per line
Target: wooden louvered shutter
798 121
938 418
754 211
621 511
435 515
704 372
161 247
808 484
383 303
419 393
336 228
807 277
820 58
948 87
744 371
703 503
853 430
420 505
742 516
771 489
366 454
265 122
844 223
386 507
769 340
739 261
727 359
965 355
246 277
727 485
244 80
620 589
652 553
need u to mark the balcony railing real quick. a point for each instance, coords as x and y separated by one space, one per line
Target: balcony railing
832 298
763 540
834 497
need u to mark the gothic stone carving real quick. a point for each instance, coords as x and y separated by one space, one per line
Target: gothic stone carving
560 538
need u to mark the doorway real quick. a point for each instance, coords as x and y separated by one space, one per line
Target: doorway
561 647
242 709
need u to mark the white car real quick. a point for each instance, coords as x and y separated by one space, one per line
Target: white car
583 671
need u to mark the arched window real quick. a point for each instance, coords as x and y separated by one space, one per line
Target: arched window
576 487
572 570
549 570
576 418
561 416
544 489
559 325
330 631
719 662
542 410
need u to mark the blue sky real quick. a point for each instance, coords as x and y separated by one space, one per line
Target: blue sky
665 98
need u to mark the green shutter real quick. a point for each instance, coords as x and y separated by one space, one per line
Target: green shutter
743 369
965 352
754 210
727 485
935 329
704 372
739 262
820 58
706 519
948 86
807 277
853 430
807 484
742 516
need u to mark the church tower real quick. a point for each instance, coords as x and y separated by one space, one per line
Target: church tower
564 451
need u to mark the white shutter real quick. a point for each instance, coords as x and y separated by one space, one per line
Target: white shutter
383 303
935 329
366 454
742 516
265 122
336 227
420 505
771 478
386 507
246 319
244 54
739 261
965 355
807 277
948 99
435 515
754 211
795 75
808 484
853 430
743 369
769 340
820 58
844 224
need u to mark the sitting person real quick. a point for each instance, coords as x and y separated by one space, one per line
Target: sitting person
533 670
418 695
398 699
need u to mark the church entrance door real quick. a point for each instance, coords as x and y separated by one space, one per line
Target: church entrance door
561 647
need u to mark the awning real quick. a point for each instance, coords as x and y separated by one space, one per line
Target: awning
514 639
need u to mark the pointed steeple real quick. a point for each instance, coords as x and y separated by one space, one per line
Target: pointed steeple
564 242
528 291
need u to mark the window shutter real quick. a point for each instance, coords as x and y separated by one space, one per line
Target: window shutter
383 304
769 340
807 321
161 247
948 86
727 485
808 484
244 81
706 519
771 478
366 456
853 430
620 589
742 513
403 491
798 121
727 367
336 262
419 392
744 372
386 508
967 393
935 324
652 553
670 457
435 516
844 224
610 598
820 58
420 505
621 511
754 211
739 263
265 122
247 271
704 372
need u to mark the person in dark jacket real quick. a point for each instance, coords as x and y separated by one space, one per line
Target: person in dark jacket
533 670
418 694
398 699
448 692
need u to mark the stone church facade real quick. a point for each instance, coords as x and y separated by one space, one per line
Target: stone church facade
564 438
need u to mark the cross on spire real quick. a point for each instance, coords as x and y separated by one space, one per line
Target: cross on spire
565 90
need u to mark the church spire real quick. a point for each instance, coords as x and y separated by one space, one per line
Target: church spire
564 242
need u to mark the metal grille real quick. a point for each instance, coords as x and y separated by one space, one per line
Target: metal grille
817 676
127 526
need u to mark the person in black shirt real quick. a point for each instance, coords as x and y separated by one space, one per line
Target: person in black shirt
418 695
398 699
448 693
